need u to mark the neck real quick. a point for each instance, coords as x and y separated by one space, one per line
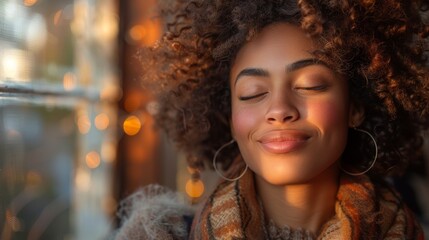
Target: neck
308 205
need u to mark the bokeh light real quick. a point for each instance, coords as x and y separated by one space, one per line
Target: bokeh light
69 81
15 65
92 159
29 3
132 125
83 124
194 188
145 33
137 33
101 121
106 25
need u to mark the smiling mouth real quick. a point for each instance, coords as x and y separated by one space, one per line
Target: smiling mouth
280 142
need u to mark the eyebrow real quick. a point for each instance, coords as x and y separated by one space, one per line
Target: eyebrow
303 63
259 72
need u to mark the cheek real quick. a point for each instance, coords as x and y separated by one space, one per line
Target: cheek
328 114
242 123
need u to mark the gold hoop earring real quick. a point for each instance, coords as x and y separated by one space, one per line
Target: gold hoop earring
375 155
215 167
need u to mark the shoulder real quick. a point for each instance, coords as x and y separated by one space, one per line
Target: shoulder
154 212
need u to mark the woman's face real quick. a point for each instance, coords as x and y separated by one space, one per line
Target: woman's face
290 114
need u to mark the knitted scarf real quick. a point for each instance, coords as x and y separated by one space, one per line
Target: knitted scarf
363 210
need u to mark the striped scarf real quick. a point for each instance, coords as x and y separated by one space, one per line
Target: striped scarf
363 210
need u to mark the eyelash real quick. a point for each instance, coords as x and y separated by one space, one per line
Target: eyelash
245 98
315 88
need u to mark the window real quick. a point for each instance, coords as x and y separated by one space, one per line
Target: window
58 93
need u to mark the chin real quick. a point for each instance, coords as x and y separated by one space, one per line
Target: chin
281 180
285 177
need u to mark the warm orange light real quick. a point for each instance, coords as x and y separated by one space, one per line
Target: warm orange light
101 121
136 153
92 159
57 17
29 3
194 188
137 33
153 28
83 124
132 125
132 102
69 81
145 33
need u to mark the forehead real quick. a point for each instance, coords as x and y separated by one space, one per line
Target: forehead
282 42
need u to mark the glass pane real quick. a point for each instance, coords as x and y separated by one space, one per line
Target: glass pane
58 93
36 42
55 170
36 171
39 39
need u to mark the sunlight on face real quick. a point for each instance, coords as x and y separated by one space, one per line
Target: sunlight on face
290 112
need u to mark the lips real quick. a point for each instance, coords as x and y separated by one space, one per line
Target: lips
284 141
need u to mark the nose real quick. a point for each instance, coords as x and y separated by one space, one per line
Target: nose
282 109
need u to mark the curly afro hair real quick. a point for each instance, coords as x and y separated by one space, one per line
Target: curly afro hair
379 46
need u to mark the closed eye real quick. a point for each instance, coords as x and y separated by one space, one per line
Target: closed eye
244 98
315 88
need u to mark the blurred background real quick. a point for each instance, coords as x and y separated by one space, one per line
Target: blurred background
76 127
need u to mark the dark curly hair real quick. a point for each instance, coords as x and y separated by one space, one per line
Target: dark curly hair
379 46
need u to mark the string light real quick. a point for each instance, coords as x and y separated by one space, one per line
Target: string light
83 124
137 33
101 121
132 125
92 159
194 188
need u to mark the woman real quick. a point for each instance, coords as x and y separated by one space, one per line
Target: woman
306 105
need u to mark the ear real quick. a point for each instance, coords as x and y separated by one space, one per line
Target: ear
356 114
